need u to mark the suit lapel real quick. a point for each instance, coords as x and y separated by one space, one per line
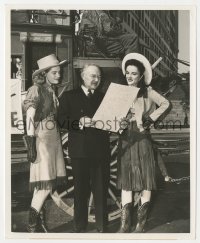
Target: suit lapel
89 104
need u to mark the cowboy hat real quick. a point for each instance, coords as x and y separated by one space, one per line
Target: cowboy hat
144 61
47 62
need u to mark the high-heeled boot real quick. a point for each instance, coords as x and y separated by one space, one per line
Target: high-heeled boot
141 217
42 219
125 219
33 223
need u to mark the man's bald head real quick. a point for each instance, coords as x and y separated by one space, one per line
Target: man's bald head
91 76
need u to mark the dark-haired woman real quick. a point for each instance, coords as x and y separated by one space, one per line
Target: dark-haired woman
136 164
47 169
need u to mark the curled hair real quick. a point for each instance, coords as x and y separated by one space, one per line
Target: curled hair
138 64
141 84
39 78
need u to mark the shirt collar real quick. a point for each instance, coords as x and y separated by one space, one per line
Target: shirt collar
85 90
48 86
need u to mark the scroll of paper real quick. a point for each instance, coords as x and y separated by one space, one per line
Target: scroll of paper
114 106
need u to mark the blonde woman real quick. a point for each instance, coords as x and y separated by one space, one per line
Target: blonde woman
47 168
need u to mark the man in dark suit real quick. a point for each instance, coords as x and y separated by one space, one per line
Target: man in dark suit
88 148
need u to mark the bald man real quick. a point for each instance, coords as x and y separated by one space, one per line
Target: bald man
88 148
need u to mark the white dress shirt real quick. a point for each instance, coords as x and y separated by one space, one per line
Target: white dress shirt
86 90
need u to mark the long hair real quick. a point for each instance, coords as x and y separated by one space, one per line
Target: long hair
40 78
141 84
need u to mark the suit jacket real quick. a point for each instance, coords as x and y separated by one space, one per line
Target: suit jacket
88 142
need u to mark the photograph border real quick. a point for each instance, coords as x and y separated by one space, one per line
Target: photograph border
193 130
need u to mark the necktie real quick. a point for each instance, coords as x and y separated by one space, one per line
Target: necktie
89 95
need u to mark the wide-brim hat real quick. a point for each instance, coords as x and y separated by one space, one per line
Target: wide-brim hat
48 62
139 57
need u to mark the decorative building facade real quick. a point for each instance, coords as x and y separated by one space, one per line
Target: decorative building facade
158 36
35 34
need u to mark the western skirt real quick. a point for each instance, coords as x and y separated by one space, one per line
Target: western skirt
48 171
136 164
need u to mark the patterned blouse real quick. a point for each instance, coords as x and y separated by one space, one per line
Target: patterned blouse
43 99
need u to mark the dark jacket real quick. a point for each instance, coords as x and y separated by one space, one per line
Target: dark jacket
88 142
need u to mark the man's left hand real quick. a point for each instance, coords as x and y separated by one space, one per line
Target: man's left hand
87 121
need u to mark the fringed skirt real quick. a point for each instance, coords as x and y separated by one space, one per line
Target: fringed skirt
136 164
48 171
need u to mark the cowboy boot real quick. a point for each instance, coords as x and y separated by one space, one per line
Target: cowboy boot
141 217
125 219
42 220
32 226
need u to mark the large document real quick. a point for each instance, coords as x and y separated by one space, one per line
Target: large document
114 106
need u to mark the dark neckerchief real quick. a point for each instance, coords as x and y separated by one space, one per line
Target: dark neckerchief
143 92
143 89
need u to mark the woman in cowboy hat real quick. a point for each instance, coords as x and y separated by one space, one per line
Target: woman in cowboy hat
47 169
136 164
